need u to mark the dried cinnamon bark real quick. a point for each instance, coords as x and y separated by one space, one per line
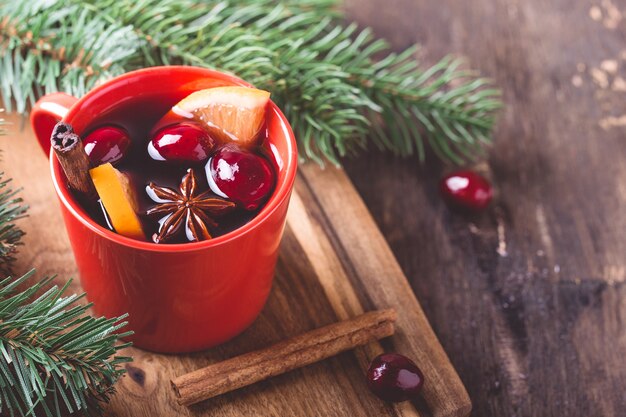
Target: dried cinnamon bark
70 152
285 356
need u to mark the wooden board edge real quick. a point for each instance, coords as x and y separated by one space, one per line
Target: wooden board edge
335 191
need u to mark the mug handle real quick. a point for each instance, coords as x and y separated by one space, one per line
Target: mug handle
47 112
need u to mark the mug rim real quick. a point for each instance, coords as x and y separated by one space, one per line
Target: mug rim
280 194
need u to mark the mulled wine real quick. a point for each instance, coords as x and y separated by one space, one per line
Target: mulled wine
171 171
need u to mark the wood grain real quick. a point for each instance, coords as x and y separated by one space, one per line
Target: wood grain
333 265
528 298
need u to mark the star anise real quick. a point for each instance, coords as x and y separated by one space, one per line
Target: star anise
184 207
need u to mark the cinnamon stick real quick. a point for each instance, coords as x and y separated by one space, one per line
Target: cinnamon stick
305 349
70 152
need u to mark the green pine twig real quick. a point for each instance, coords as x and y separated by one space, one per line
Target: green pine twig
2 124
11 209
340 87
54 357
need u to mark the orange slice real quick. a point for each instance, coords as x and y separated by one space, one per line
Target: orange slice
231 114
118 199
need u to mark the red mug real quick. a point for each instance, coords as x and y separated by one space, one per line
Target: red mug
180 297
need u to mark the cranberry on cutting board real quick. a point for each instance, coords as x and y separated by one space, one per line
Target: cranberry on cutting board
394 377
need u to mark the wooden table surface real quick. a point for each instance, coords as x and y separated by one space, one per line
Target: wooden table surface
528 299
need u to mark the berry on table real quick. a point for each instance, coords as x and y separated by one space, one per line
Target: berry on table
394 377
466 189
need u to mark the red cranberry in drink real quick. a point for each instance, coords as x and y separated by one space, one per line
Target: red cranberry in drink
181 142
393 377
243 177
106 144
466 189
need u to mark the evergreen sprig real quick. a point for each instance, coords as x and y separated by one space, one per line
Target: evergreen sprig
339 86
2 124
54 357
11 209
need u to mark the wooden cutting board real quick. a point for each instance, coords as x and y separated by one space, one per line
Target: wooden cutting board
334 264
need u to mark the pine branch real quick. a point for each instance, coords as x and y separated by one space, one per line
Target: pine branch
2 124
325 75
11 209
54 357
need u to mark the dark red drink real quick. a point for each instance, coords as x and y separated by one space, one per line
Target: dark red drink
140 118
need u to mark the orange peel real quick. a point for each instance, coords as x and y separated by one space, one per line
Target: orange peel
230 114
118 199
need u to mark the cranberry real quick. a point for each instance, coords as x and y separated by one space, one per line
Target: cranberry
466 189
107 144
394 377
241 176
181 142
